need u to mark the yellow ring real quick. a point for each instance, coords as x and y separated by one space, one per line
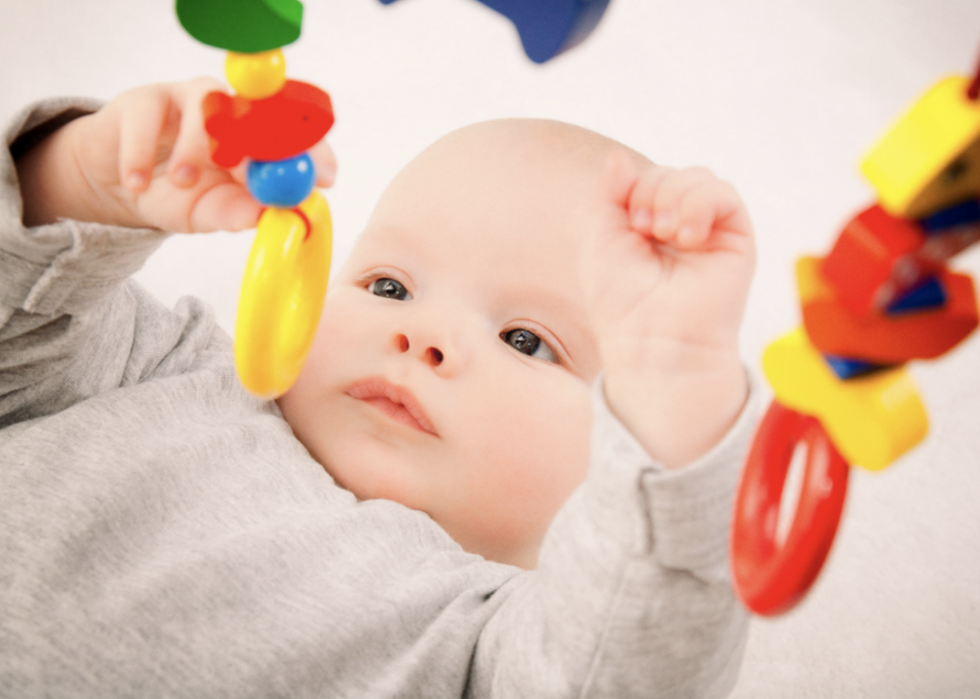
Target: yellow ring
282 296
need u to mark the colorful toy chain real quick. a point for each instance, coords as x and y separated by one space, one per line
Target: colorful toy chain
273 122
882 297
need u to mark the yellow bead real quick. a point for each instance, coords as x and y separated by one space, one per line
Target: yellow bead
872 420
282 296
256 76
931 156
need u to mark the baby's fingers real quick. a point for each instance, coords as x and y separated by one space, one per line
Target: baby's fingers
143 116
674 222
191 154
700 209
640 202
325 162
224 206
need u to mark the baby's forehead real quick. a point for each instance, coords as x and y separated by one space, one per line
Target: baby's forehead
535 144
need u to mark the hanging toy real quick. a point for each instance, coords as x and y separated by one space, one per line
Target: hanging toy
272 121
548 28
882 297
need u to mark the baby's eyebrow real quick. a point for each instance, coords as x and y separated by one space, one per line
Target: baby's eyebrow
543 305
574 342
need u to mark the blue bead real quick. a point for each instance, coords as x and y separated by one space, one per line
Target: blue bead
281 183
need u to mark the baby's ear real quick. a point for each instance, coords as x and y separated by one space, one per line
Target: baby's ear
619 175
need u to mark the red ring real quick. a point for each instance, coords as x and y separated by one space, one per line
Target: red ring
769 578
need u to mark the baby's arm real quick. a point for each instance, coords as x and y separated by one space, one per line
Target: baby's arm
84 194
142 161
668 278
632 595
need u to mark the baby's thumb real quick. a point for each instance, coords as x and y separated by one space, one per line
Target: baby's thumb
225 207
619 174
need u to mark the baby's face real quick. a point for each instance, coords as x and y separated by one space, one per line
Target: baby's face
452 368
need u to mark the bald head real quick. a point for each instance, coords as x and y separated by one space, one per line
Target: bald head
527 141
487 164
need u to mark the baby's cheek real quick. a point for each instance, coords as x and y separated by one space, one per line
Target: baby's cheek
548 453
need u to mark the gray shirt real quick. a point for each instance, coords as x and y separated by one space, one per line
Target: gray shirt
163 534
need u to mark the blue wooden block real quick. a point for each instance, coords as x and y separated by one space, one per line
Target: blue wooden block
962 214
548 27
926 296
847 368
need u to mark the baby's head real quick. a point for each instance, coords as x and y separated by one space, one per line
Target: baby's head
453 365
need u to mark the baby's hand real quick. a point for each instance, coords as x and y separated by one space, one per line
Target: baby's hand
667 281
143 161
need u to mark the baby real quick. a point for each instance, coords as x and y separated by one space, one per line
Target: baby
501 272
534 343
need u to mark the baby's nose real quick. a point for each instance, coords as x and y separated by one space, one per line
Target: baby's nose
432 356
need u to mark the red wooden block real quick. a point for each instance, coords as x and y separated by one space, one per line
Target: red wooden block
875 259
278 127
878 338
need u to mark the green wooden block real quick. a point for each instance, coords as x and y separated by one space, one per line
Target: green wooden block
243 26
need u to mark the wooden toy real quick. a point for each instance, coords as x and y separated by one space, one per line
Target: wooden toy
772 577
928 295
966 213
548 28
882 296
243 26
273 121
930 158
277 127
848 368
282 295
282 183
879 259
875 259
879 338
872 420
256 76
950 231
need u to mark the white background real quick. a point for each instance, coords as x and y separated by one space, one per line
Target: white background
780 97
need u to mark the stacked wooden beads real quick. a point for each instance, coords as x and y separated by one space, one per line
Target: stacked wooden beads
882 297
272 121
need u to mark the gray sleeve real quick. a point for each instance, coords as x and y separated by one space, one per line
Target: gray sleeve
54 281
632 596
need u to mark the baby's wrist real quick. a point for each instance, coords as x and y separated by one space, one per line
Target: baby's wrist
50 183
679 413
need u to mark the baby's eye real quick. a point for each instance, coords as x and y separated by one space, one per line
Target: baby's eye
389 288
526 342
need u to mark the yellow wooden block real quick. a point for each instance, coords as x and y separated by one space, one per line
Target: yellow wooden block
872 420
931 156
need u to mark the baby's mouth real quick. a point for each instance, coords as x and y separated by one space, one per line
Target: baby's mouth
396 402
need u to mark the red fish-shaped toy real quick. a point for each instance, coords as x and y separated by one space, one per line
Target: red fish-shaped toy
278 127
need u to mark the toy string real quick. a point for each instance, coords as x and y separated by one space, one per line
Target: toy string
973 91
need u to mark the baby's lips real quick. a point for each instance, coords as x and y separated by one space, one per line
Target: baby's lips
397 402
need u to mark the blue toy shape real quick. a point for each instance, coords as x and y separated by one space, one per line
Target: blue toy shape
548 27
849 368
926 296
281 183
963 214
